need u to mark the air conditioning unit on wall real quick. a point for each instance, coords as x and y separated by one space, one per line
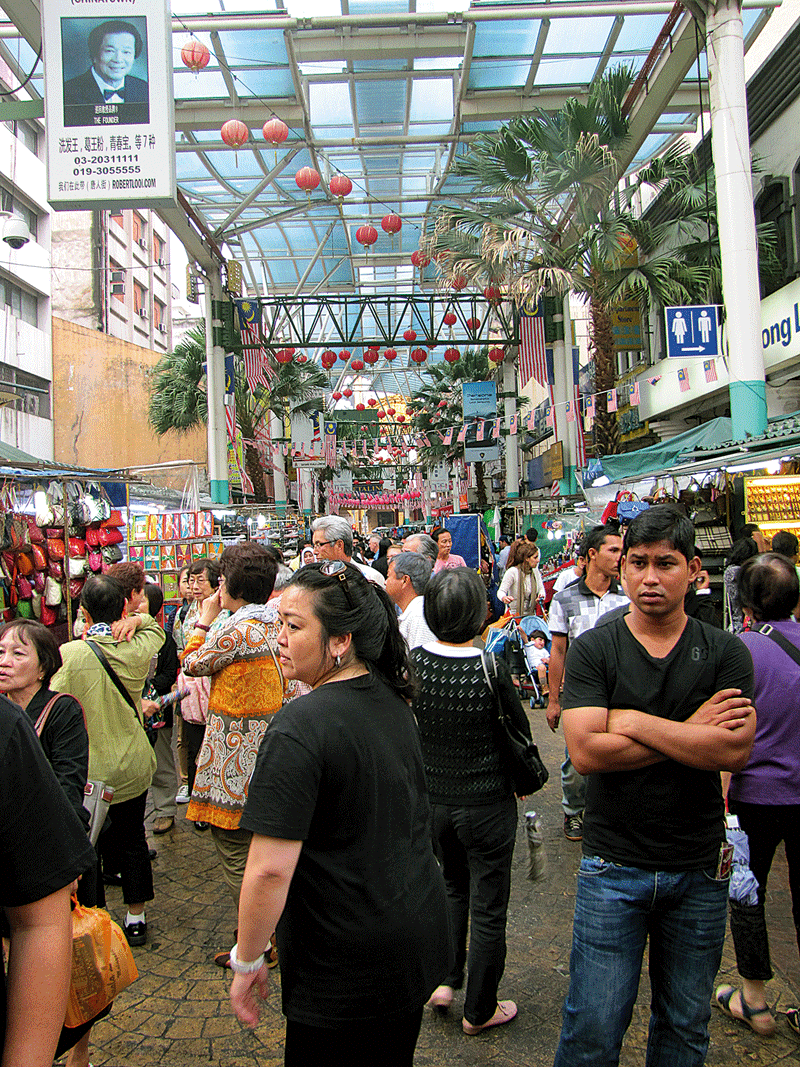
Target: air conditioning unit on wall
142 313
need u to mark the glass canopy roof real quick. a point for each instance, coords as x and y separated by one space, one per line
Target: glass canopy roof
388 93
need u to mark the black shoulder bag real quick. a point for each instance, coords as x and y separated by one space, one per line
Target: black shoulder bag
769 631
520 754
112 674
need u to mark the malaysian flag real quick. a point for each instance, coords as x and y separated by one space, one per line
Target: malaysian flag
654 381
590 406
479 433
462 433
448 436
532 358
230 418
513 422
710 367
549 419
683 379
611 400
329 447
496 429
633 393
570 411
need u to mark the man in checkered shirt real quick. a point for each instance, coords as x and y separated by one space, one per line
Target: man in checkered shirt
573 611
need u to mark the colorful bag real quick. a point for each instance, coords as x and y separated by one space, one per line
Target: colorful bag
49 614
109 535
111 554
35 535
77 568
53 593
24 587
25 563
75 587
77 547
115 519
95 560
102 964
93 536
38 581
55 548
39 557
55 569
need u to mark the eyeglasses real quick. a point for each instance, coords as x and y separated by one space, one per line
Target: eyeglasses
335 568
319 544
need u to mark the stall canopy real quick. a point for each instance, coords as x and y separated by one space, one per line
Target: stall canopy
663 456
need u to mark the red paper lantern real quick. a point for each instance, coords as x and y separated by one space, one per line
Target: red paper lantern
410 335
302 358
360 407
419 355
450 318
381 414
366 235
452 355
390 411
340 185
327 359
442 404
391 224
401 418
492 294
372 401
307 179
496 354
473 324
336 396
390 354
195 55
344 355
419 259
371 356
357 364
275 131
348 392
284 355
234 133
459 283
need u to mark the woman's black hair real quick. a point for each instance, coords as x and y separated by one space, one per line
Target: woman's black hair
437 532
455 604
384 545
371 620
208 566
249 571
768 587
41 639
743 549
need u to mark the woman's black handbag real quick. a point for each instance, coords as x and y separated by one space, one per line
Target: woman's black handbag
522 759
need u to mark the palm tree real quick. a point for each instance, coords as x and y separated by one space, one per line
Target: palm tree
437 406
548 214
178 400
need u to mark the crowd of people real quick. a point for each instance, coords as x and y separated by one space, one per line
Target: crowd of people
336 731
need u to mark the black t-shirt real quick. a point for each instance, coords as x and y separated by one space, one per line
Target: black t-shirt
668 816
364 931
43 845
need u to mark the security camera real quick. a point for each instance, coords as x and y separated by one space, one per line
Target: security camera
16 233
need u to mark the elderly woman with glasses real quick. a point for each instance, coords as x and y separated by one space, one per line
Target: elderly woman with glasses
341 850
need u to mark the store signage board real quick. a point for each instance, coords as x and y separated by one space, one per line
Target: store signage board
109 104
479 400
439 478
626 326
308 462
692 332
342 481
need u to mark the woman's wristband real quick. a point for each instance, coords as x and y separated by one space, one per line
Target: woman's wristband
202 626
239 967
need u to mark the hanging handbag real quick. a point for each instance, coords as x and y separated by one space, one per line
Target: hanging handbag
49 614
109 535
75 587
76 568
55 548
521 756
114 519
25 563
53 593
36 605
24 609
93 536
55 569
24 587
38 581
35 535
111 554
39 557
77 547
95 561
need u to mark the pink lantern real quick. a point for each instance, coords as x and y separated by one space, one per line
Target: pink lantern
344 355
275 131
340 185
452 355
496 354
307 179
450 318
419 259
419 355
410 336
366 236
381 414
390 354
473 324
234 133
327 359
302 358
357 364
401 418
459 283
337 395
195 55
371 356
348 393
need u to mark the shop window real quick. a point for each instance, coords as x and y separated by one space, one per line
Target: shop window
773 208
33 393
19 302
139 300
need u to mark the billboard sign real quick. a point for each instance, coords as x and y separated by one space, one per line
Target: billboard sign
109 108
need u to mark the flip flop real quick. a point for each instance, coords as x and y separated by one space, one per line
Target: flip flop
793 1019
760 1020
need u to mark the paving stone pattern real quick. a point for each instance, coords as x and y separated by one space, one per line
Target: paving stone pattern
178 1015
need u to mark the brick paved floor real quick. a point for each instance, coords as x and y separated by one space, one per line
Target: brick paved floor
177 1014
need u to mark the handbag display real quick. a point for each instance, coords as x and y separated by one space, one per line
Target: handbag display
523 762
114 519
76 567
77 547
39 557
53 593
38 580
55 569
24 587
49 614
25 563
109 535
93 536
75 587
111 554
95 561
102 964
35 535
55 548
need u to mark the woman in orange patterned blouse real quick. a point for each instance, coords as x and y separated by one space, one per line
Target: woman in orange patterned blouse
247 688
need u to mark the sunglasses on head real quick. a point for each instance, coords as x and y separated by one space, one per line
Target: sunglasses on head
335 568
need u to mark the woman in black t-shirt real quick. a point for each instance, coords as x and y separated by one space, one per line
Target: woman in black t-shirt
341 849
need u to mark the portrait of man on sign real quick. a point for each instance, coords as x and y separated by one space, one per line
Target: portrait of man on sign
107 93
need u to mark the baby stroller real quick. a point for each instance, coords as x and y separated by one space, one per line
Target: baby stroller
511 644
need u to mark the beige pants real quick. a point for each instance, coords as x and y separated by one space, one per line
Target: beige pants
232 848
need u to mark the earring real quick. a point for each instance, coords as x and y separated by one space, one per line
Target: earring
338 661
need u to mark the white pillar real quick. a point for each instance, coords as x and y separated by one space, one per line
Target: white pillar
737 231
562 392
215 388
276 430
512 451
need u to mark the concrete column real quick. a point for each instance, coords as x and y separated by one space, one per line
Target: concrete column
570 481
512 450
278 476
215 386
304 485
737 231
562 392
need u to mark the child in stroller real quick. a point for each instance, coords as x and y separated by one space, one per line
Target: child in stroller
525 657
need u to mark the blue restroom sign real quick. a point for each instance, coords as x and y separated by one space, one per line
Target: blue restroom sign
693 332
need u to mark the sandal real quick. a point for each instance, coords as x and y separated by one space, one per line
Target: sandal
792 1018
223 959
760 1020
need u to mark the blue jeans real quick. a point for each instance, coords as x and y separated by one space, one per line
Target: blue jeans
475 847
616 909
573 788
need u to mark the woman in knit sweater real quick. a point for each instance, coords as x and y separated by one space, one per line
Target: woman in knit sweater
474 809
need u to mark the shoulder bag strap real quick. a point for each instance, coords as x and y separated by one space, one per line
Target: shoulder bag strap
769 631
112 674
40 722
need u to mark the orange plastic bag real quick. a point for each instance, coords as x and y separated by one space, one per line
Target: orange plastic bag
102 964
